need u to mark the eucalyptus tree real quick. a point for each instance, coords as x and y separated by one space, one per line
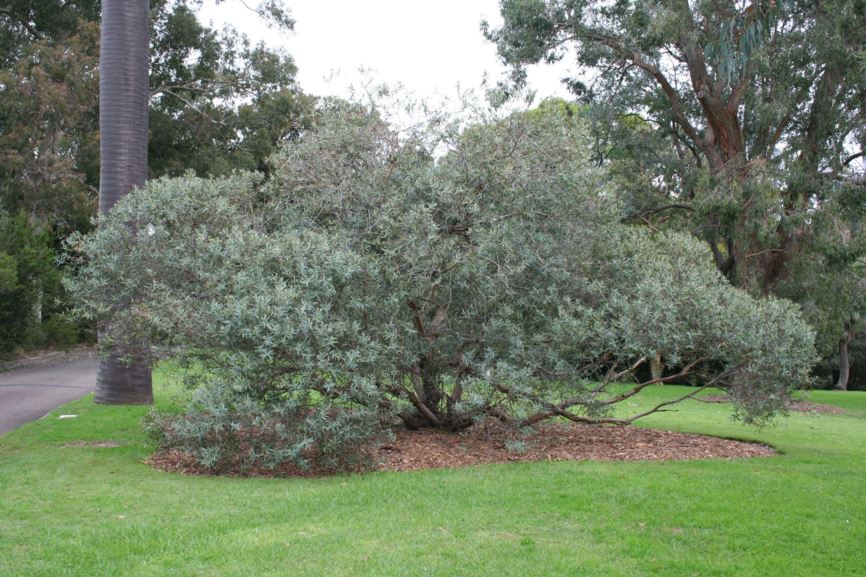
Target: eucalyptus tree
828 278
756 106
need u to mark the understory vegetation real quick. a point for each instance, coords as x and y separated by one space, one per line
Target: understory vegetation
435 277
31 312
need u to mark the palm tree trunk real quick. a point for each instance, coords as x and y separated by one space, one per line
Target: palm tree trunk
124 376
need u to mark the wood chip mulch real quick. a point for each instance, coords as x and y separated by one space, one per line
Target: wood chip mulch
413 450
799 406
486 443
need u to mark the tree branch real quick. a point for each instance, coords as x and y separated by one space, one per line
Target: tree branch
190 104
635 57
24 23
658 209
703 387
616 376
418 384
852 158
736 96
687 370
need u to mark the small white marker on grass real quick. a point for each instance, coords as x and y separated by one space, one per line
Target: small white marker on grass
67 416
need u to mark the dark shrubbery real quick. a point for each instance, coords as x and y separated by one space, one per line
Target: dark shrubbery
30 289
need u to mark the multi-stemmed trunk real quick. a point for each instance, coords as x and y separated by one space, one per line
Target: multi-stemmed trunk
124 376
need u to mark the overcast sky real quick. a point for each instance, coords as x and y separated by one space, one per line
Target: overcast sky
431 47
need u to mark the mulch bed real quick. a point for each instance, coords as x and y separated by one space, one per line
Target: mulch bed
493 443
799 406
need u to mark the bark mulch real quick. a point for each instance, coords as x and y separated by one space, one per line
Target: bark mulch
413 450
494 443
799 406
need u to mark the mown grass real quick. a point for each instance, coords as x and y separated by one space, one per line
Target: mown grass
73 510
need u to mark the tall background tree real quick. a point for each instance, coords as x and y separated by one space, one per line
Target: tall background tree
740 121
124 375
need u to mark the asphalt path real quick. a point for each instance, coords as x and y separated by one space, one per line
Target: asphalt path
30 393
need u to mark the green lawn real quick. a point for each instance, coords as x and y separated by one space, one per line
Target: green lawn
72 510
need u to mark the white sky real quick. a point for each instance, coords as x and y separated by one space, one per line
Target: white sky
430 47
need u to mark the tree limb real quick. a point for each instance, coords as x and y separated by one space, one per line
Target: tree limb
24 23
687 370
663 82
657 209
190 104
703 387
853 157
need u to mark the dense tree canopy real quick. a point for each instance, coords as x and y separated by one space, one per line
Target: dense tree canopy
218 102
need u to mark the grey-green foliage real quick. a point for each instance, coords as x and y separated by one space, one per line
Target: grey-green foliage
226 432
440 277
666 296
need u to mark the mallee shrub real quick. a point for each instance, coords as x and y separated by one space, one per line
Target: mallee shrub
430 277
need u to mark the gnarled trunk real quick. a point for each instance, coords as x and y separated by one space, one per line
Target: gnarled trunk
123 104
434 408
